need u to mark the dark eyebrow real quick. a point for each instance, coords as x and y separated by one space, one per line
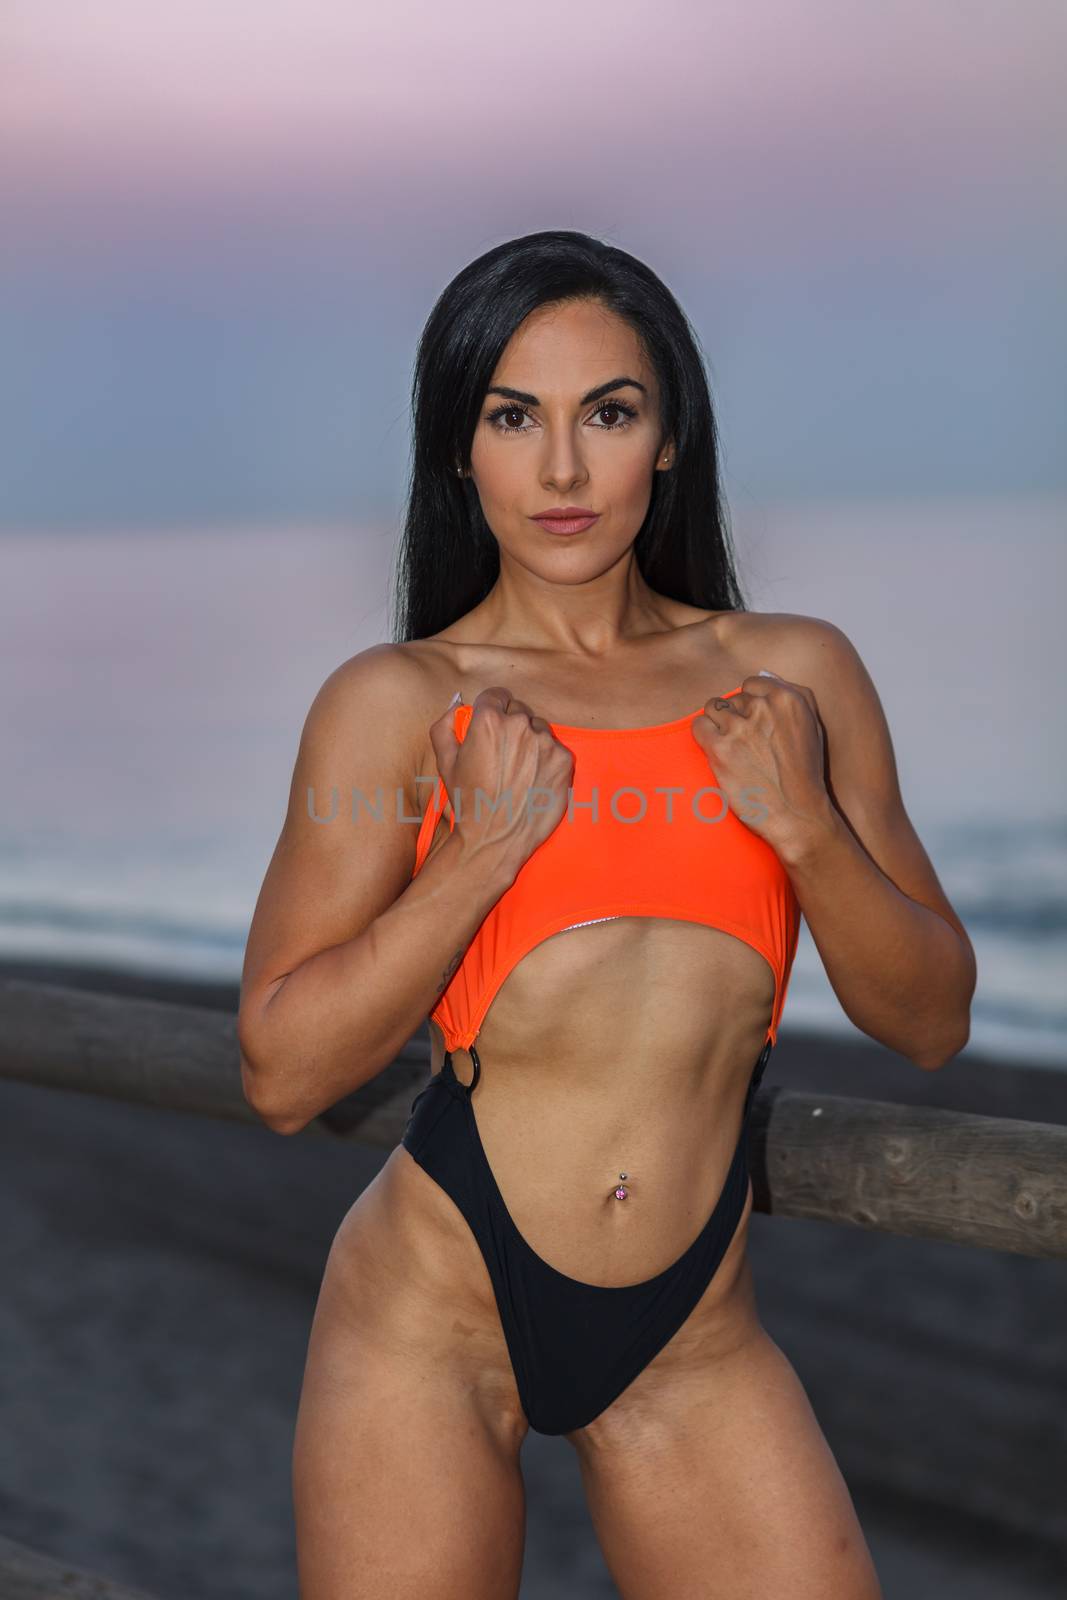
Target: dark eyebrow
587 399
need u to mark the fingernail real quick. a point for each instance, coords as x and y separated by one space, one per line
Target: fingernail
763 673
454 700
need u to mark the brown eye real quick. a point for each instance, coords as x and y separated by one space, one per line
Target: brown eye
625 412
497 418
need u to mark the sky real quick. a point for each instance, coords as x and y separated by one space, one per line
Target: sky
224 225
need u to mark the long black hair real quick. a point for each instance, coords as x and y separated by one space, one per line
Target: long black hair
448 558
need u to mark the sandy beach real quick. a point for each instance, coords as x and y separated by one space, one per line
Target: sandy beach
161 1273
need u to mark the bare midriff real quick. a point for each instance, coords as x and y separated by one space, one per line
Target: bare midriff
640 1065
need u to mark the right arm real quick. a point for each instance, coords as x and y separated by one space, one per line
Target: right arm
347 954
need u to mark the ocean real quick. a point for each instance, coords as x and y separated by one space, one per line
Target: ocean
154 684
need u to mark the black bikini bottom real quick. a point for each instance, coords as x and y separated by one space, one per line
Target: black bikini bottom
574 1346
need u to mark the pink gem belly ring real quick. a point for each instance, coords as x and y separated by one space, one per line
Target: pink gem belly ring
620 1192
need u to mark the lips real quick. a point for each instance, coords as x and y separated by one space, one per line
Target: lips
567 519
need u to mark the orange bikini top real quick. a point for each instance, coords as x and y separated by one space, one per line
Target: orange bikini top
646 833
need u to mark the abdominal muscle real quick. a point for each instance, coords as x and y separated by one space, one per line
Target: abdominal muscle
638 1063
620 1046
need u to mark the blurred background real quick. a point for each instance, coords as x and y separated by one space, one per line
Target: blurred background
222 230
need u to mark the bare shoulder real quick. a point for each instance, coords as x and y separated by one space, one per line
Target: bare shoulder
815 654
345 851
374 700
805 650
860 762
818 655
786 639
380 704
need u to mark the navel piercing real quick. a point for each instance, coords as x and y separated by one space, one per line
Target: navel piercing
620 1192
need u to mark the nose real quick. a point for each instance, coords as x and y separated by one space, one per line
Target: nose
562 467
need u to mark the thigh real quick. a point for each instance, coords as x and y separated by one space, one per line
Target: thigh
406 1475
722 1485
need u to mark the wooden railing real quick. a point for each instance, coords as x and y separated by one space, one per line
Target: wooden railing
25 1574
918 1171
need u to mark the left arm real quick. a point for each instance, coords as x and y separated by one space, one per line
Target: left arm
820 753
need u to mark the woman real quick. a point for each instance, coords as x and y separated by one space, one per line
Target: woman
559 1240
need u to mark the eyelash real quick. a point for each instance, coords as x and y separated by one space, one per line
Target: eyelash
628 411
